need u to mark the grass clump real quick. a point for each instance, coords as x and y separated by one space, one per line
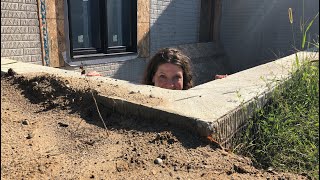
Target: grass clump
284 134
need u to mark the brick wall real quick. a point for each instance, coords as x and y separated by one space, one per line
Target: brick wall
173 22
255 32
20 36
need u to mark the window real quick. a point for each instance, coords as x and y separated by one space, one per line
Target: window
102 26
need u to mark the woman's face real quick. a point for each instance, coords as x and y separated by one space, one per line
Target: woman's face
169 76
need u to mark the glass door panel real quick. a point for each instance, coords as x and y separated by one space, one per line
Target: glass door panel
118 23
85 24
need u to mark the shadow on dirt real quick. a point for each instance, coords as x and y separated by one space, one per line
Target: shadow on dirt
54 94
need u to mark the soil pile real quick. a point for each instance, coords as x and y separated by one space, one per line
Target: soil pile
51 130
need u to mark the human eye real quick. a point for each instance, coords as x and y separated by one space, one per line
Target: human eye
162 76
177 77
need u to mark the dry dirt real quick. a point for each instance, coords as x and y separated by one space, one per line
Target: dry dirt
50 130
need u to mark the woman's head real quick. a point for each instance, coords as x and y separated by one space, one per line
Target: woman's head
169 69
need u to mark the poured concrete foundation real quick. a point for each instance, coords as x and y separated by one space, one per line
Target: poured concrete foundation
217 108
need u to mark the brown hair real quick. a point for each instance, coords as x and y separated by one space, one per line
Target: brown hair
173 56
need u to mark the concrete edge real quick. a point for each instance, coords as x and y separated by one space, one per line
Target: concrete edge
124 107
223 128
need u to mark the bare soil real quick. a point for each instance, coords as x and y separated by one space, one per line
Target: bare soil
50 129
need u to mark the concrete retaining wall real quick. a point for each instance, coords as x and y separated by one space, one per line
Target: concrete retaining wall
218 108
20 33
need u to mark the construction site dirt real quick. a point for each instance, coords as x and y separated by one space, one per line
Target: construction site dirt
50 130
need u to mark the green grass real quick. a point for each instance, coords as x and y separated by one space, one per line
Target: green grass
284 134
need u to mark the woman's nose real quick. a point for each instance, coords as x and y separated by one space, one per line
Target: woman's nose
170 84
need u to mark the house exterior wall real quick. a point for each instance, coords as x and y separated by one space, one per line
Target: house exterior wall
161 23
20 33
173 22
130 70
254 32
169 23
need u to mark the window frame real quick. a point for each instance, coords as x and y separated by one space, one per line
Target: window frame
104 50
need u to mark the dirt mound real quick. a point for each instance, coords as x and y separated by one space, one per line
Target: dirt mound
51 130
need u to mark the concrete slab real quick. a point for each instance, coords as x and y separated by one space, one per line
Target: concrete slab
218 108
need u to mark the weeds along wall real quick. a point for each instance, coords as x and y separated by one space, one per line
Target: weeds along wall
20 32
254 32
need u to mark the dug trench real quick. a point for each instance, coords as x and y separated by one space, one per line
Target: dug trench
50 128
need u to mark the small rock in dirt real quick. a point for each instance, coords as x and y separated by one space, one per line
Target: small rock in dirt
122 166
62 124
270 169
34 83
282 178
158 136
240 169
92 177
11 72
25 122
224 153
175 168
153 172
163 157
189 167
41 169
158 161
90 142
171 141
29 136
